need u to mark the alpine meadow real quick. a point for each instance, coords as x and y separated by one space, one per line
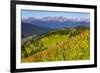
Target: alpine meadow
48 36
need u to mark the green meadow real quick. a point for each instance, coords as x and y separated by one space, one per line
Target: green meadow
57 45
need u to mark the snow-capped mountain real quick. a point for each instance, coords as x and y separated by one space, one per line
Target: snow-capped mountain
55 18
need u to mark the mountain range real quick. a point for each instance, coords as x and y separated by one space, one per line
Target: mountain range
57 18
35 26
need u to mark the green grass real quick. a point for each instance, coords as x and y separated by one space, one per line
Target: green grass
57 45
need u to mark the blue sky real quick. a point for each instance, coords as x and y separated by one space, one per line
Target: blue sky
36 13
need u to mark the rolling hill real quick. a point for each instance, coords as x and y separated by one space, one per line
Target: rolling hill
58 45
28 29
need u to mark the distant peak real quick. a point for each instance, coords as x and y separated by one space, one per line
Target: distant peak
57 18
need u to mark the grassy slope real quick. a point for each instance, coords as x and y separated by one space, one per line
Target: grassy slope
58 45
